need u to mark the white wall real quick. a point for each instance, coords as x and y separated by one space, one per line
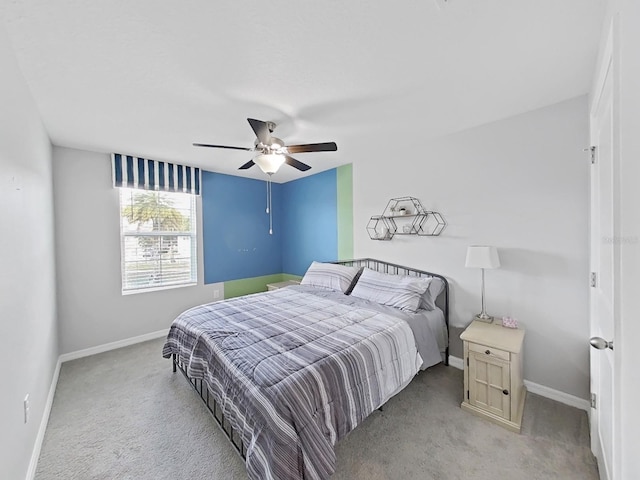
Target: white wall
27 270
520 184
91 308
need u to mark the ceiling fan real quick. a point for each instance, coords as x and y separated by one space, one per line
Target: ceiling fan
272 151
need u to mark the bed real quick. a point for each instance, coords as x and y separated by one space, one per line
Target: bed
290 372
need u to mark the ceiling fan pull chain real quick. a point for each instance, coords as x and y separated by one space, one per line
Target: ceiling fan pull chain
269 207
268 196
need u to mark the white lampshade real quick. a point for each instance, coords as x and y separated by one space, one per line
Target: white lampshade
482 256
269 162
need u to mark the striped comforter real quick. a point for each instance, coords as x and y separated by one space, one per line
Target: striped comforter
294 372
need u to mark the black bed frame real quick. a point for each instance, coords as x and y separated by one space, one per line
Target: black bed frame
200 386
209 401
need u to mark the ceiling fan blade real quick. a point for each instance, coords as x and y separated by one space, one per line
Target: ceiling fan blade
261 130
303 167
221 146
249 164
313 147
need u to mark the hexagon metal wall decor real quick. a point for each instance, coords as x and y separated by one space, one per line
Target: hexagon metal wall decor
431 225
381 228
405 216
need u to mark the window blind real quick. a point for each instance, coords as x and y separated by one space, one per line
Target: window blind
135 172
158 239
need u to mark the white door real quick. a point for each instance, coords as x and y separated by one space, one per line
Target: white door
604 252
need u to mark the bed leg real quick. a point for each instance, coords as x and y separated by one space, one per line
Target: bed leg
174 362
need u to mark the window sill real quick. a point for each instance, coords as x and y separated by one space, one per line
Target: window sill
157 289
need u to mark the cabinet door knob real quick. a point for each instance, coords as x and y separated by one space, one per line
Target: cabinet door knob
488 352
505 391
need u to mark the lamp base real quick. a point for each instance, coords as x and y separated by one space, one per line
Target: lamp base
483 317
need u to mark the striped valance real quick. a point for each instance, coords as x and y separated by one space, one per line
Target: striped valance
134 172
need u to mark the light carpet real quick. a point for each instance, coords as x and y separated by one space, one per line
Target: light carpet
124 415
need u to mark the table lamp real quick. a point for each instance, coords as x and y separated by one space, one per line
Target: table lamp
482 256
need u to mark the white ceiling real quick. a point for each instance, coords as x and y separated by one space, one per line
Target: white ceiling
149 77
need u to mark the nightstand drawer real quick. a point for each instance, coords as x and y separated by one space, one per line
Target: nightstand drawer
490 352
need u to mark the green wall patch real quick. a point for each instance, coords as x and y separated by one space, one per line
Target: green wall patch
344 180
245 286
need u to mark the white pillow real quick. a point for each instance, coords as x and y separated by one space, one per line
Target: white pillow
398 291
329 275
428 299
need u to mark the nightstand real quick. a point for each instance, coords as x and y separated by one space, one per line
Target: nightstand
493 385
277 285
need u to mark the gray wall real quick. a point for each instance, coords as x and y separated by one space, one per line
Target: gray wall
27 271
520 184
91 308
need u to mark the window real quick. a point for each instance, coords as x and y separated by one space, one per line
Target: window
158 239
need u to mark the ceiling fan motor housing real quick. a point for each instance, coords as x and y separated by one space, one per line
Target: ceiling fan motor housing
275 146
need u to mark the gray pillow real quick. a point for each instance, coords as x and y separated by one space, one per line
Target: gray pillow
330 276
428 298
398 291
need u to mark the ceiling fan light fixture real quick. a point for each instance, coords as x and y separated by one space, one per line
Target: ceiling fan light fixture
269 162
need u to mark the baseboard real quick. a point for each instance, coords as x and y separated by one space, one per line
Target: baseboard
541 390
35 455
456 362
65 357
558 396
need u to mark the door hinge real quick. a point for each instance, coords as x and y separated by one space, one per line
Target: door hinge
467 394
593 400
593 279
592 154
467 361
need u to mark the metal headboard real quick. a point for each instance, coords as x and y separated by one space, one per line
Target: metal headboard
385 267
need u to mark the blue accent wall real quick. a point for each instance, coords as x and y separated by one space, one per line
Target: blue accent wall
235 228
237 244
310 221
